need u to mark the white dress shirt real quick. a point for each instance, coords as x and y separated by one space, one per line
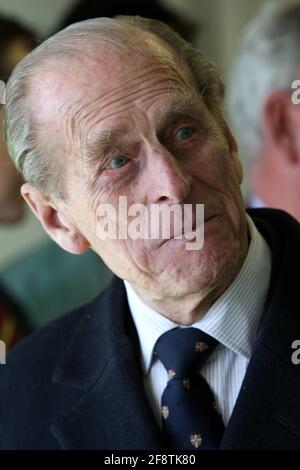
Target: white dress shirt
255 202
232 320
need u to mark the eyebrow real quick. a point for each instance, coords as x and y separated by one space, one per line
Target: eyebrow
102 139
179 107
184 107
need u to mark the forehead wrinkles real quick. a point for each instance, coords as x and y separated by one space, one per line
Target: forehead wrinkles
140 88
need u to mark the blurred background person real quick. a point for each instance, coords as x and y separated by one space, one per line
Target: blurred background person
46 280
265 119
15 42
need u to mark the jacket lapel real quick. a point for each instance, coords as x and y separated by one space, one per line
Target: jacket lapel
267 411
111 410
266 414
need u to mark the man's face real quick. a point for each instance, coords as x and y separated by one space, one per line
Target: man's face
141 130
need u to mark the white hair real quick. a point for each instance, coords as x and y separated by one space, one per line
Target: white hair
268 60
30 152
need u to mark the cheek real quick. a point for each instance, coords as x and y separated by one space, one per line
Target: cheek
238 168
226 174
218 179
125 258
110 193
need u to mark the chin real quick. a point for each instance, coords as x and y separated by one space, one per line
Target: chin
203 270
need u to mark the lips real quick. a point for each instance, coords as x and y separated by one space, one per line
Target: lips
179 236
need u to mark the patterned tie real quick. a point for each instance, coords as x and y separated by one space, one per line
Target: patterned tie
190 418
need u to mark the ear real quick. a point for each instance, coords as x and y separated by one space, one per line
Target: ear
54 221
281 126
233 149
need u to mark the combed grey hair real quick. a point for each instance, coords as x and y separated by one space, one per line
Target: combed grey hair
268 59
33 156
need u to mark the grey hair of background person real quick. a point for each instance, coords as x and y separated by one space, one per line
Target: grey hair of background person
268 59
32 155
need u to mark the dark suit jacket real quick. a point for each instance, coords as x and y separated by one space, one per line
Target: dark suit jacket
77 383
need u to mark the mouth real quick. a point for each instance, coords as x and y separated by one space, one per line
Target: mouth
195 227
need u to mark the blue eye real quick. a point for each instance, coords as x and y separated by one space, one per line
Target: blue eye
117 162
184 133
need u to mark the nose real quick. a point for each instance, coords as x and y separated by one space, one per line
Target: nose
167 179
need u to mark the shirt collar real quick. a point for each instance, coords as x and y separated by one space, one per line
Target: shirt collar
149 323
255 202
232 320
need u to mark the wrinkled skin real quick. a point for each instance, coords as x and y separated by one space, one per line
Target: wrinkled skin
160 144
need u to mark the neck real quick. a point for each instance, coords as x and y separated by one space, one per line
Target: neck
191 307
185 310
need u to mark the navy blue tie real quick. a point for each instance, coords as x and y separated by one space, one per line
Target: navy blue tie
190 417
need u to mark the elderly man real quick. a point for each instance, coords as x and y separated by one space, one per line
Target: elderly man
265 116
186 349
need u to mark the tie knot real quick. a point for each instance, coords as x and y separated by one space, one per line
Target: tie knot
183 350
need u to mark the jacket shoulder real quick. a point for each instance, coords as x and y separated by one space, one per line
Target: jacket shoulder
27 390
